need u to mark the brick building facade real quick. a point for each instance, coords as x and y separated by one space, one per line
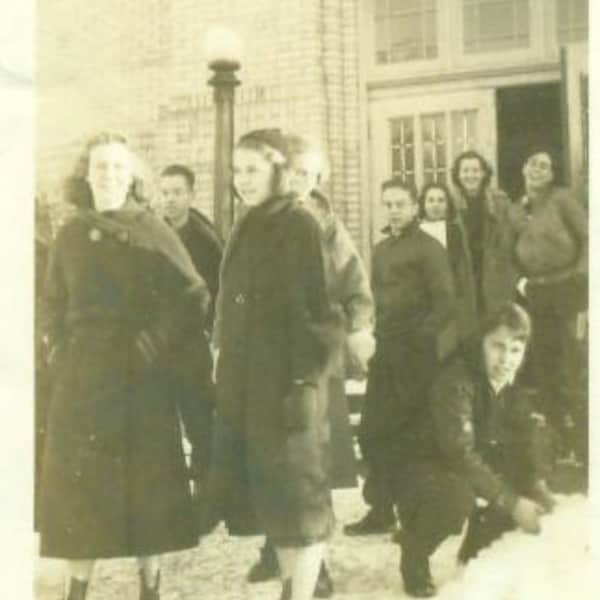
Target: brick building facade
140 67
387 86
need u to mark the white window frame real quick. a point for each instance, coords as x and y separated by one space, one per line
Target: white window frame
535 50
410 67
383 111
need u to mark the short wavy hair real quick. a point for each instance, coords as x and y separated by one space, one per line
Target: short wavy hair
177 169
399 183
77 190
437 185
488 172
510 315
272 145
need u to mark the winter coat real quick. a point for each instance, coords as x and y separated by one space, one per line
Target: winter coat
459 254
121 296
192 369
206 250
414 304
552 237
498 273
347 287
414 290
275 327
495 441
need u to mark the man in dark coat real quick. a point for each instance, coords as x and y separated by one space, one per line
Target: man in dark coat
414 311
193 372
479 439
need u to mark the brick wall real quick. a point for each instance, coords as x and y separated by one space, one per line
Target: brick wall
139 67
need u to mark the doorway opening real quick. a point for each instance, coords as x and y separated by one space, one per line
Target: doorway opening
529 117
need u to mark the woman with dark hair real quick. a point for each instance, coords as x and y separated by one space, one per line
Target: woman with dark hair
440 219
121 296
551 253
485 213
276 335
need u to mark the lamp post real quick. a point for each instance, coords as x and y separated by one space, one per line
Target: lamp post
223 50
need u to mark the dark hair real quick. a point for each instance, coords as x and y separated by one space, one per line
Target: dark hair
510 315
437 185
557 171
271 144
76 188
470 155
180 170
398 182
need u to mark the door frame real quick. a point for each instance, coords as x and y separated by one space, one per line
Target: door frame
382 111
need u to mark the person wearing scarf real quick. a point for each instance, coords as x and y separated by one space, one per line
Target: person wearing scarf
121 296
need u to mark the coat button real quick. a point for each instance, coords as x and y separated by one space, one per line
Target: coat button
78 474
92 438
240 299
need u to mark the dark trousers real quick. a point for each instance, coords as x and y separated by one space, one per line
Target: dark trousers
555 353
395 402
432 503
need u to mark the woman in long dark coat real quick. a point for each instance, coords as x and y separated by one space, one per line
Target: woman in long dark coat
349 289
276 334
121 295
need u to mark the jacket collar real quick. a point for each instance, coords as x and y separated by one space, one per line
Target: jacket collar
405 232
488 198
320 208
270 208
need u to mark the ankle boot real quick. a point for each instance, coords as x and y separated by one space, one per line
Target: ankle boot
149 593
77 589
414 567
286 590
266 567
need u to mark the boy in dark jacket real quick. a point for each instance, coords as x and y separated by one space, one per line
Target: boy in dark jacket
194 364
480 441
414 307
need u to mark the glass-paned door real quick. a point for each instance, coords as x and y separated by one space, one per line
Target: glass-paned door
418 139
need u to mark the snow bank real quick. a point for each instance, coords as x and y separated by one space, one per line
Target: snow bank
554 564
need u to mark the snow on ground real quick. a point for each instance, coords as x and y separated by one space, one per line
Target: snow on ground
550 566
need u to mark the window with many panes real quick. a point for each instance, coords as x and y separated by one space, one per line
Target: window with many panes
425 145
495 25
434 138
405 30
464 130
403 149
571 20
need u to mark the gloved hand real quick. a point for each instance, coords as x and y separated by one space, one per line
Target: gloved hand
361 347
300 407
543 496
526 515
